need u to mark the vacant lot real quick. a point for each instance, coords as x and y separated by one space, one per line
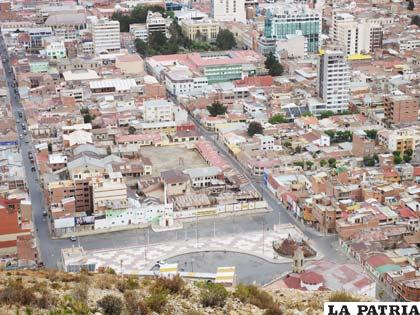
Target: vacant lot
172 157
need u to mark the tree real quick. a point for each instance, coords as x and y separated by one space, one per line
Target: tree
111 305
307 114
216 109
273 65
407 158
138 15
255 128
309 164
327 114
415 20
371 133
408 152
277 119
157 40
368 161
131 130
322 163
50 147
397 159
332 162
213 294
410 5
225 40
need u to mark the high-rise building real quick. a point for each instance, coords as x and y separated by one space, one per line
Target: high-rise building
106 36
400 109
334 80
229 10
354 35
292 19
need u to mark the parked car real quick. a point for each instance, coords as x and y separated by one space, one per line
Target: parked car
73 238
33 169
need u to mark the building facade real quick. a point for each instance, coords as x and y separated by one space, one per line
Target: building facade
106 36
334 80
229 10
400 109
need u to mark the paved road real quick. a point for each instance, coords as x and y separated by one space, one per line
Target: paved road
50 249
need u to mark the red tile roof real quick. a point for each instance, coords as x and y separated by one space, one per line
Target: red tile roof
379 260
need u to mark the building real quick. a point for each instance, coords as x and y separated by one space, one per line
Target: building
155 22
362 145
158 110
398 140
106 36
203 30
229 10
355 36
56 50
293 19
139 31
334 80
400 109
183 82
110 193
204 176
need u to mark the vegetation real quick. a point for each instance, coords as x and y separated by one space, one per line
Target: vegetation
131 130
50 148
408 155
368 161
255 128
134 304
329 113
332 162
225 40
410 5
173 285
111 305
339 136
213 294
397 157
342 297
322 163
278 119
157 300
87 117
415 20
261 299
138 15
273 65
371 133
216 109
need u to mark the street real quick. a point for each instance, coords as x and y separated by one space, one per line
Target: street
50 249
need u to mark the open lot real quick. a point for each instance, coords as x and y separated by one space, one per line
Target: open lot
172 157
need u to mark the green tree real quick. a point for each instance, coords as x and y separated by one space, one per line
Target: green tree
278 119
327 114
322 163
213 294
410 5
216 109
408 152
371 133
396 153
330 133
299 163
368 161
273 65
332 162
255 128
142 48
131 130
111 305
157 41
407 158
307 114
397 159
415 20
49 147
225 40
309 164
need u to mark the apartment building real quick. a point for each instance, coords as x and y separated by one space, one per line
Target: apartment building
155 22
400 109
229 10
157 110
109 193
398 140
292 19
204 30
106 36
354 35
334 80
139 31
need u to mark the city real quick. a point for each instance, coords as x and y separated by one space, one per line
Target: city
269 143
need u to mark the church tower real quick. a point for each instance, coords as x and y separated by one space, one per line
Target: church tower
298 260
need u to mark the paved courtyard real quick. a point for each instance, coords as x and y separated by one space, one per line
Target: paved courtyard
141 258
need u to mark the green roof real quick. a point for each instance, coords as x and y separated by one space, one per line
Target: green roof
386 268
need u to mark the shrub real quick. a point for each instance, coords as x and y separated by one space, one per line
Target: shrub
342 297
134 304
80 292
111 305
110 271
157 300
15 292
173 285
274 310
213 294
253 295
104 282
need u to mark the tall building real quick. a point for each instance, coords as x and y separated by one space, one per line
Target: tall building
229 10
354 35
334 80
400 109
292 20
106 36
155 22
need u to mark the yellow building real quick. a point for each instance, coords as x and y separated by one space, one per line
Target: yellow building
205 30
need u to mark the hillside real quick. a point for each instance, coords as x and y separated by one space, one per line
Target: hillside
55 293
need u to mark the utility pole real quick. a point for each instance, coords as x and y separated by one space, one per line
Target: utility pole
121 267
263 237
196 227
214 227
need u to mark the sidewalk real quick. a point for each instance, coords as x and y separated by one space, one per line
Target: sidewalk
140 258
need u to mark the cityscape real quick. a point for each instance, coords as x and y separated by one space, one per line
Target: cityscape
268 143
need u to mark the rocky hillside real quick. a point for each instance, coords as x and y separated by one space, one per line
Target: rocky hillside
55 293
